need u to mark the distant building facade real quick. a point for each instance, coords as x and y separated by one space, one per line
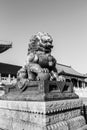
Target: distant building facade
71 75
8 72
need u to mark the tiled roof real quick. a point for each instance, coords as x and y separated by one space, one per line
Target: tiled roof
68 70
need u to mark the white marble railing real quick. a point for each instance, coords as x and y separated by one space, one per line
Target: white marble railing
7 80
81 92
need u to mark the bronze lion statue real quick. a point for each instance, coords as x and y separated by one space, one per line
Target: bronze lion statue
40 64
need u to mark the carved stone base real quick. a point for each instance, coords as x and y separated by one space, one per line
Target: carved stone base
40 91
71 124
34 115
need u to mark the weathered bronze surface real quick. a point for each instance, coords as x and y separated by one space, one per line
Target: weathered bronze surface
40 64
38 78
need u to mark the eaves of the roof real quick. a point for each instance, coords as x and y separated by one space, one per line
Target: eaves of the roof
9 68
4 45
68 70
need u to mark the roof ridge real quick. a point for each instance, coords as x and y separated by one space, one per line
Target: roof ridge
64 65
5 42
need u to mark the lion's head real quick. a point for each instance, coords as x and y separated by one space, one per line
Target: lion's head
40 42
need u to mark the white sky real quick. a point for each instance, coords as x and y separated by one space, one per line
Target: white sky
64 20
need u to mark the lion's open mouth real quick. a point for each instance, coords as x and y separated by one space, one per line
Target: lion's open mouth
46 45
49 46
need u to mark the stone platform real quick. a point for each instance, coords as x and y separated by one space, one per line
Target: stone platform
42 115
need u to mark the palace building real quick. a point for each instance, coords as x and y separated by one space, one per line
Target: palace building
67 73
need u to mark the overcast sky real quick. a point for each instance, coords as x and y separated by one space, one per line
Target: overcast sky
64 20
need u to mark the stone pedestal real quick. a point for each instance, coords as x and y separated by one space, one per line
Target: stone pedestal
41 105
42 115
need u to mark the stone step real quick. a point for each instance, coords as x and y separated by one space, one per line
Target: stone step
83 128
